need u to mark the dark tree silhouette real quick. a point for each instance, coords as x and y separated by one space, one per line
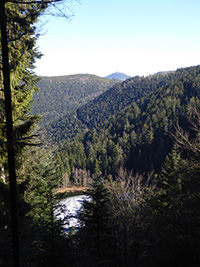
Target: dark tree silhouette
28 12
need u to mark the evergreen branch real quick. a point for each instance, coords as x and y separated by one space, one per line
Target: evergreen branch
28 144
26 138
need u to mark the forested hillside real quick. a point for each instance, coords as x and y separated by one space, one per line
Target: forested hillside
135 149
62 94
109 103
143 161
134 123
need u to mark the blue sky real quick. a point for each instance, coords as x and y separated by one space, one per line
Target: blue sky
134 37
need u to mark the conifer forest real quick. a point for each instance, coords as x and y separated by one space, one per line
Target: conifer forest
132 146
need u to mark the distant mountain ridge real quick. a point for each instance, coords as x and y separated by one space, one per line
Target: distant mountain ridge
118 75
118 98
130 125
62 94
163 72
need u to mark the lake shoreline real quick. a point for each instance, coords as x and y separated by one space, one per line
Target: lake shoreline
70 191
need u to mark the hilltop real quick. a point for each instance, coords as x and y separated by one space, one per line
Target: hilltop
62 94
130 124
118 75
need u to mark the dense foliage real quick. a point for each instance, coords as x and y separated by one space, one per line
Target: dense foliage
137 146
59 95
147 222
139 136
22 55
62 129
36 236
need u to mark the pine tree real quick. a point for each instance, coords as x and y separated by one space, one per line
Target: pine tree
172 225
94 233
17 84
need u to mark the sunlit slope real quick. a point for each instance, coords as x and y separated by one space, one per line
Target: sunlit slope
132 125
147 99
62 94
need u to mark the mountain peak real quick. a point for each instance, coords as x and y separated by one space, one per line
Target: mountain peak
118 75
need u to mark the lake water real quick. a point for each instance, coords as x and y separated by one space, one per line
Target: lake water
68 209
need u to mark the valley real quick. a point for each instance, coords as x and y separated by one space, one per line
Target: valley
130 125
99 171
62 94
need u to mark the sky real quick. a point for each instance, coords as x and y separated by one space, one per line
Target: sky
136 37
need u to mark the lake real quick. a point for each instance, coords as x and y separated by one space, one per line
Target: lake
68 209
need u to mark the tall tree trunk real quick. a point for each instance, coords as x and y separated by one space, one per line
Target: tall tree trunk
9 134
